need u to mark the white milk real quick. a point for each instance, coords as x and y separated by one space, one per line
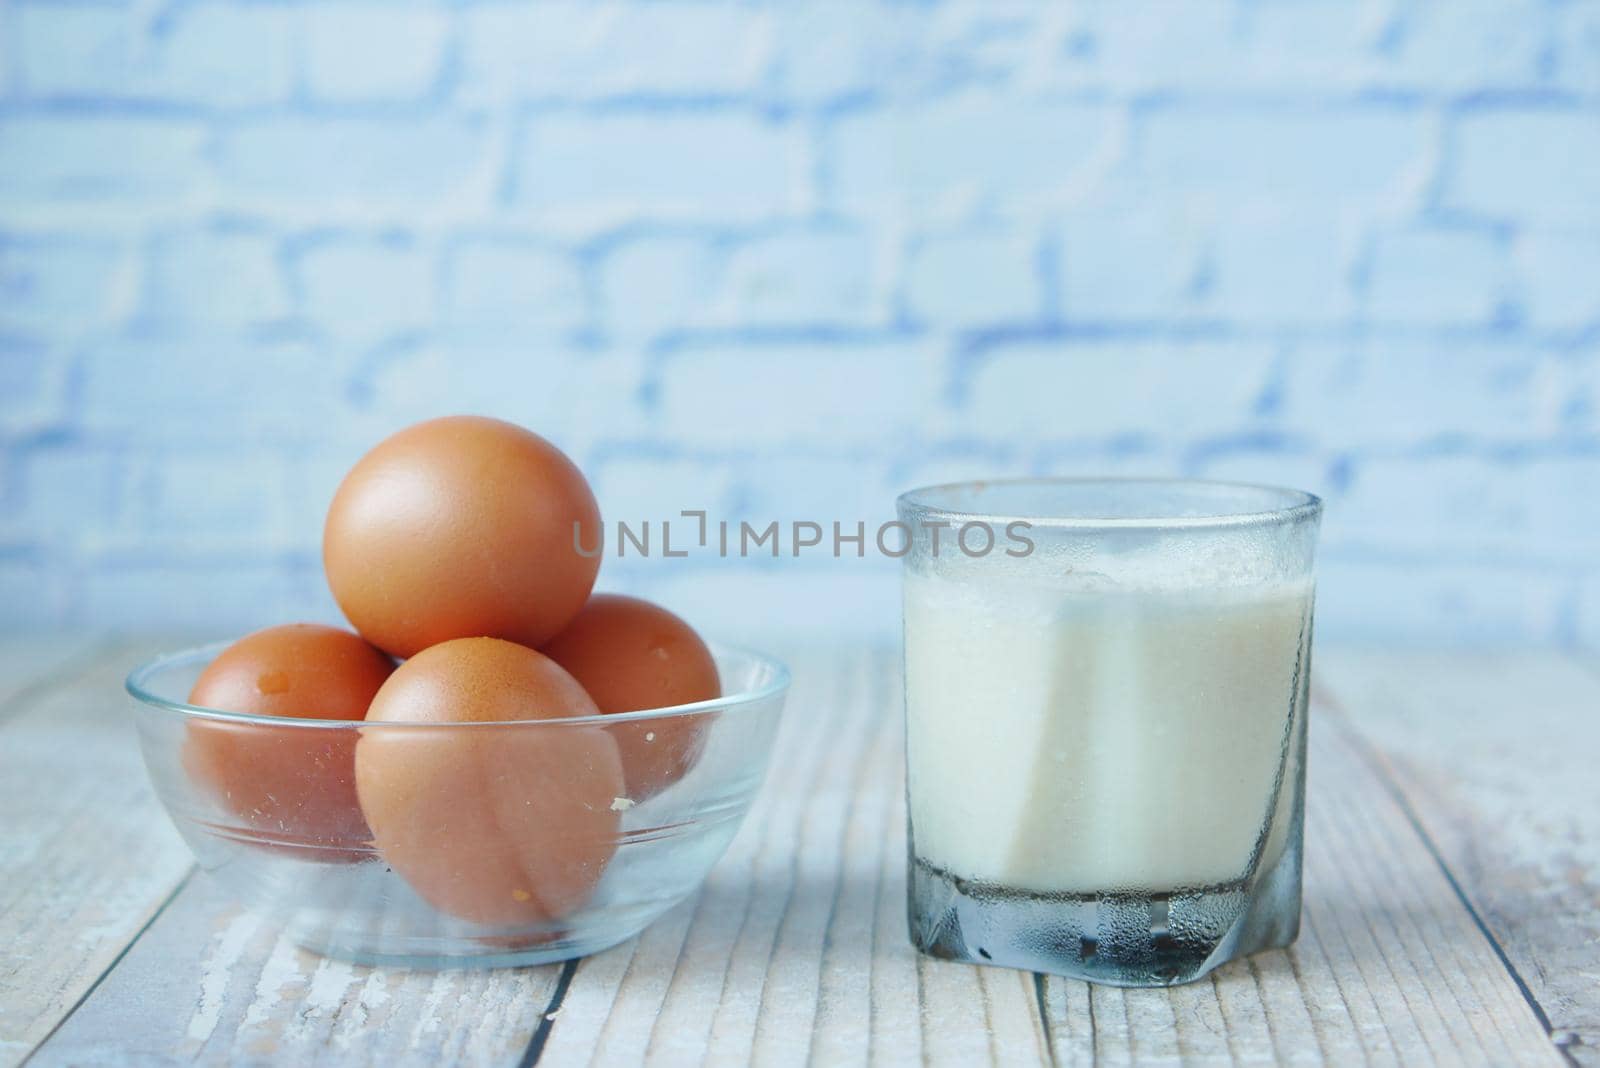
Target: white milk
1085 739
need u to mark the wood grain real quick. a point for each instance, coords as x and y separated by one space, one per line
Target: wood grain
209 983
87 854
1389 967
1493 756
796 951
33 665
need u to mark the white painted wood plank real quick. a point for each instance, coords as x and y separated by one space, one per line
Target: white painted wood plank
739 974
1494 755
31 664
86 854
206 981
210 983
674 1002
796 950
1390 967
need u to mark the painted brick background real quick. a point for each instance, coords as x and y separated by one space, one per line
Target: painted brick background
782 260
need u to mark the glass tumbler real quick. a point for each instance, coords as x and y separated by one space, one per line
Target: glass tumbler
1106 695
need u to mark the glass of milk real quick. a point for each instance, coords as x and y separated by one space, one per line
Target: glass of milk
1106 690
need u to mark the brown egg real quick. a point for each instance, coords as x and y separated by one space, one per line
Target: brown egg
498 825
461 527
632 655
292 784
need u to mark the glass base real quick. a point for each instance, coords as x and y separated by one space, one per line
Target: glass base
1118 938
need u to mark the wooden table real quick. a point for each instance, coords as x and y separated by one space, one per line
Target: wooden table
1452 906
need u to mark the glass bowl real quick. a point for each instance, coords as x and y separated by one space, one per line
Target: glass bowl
518 860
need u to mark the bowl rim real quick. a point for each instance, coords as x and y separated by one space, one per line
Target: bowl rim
135 683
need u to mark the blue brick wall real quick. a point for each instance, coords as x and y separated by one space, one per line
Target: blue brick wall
782 260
